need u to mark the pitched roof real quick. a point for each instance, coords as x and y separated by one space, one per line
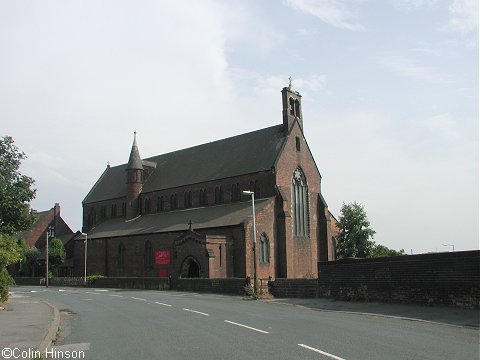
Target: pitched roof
201 218
242 154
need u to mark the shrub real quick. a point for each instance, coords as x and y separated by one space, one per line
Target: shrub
5 281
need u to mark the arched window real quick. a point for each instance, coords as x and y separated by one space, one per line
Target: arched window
148 205
160 204
219 194
264 253
203 197
121 256
124 209
297 108
114 210
187 199
292 106
148 255
173 201
300 204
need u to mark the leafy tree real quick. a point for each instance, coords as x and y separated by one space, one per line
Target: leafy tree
56 253
355 232
381 251
10 253
15 190
31 257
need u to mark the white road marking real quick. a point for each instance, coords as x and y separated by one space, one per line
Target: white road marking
159 303
93 293
248 327
120 296
197 312
72 347
87 299
102 290
321 352
139 299
61 290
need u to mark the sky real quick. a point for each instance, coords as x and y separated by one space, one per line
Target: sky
389 94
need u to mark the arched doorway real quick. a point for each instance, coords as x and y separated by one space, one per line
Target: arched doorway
190 268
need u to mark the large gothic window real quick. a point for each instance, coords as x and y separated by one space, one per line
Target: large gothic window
300 204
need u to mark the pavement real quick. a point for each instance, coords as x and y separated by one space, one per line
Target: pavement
29 323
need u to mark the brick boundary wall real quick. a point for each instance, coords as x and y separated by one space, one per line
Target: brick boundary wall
299 288
449 279
233 286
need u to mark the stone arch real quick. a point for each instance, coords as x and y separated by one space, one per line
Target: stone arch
190 268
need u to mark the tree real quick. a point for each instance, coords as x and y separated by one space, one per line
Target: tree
56 253
31 262
10 253
382 251
355 232
15 190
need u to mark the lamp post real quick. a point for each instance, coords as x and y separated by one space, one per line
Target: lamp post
50 233
453 246
254 246
85 267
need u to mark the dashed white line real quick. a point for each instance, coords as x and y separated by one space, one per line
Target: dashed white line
197 312
93 293
115 295
321 352
101 290
248 327
159 303
139 299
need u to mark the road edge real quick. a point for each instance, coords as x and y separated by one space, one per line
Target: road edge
52 328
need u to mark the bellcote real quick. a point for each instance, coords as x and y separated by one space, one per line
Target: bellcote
292 107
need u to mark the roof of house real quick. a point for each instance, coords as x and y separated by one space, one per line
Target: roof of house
242 154
201 218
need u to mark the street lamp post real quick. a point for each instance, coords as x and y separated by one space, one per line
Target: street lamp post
453 246
252 194
85 266
50 233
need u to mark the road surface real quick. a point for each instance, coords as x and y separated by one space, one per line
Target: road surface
114 324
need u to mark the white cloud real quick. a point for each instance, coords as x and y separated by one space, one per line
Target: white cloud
443 125
463 16
332 12
406 67
413 4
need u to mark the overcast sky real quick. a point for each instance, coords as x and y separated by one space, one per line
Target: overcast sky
390 97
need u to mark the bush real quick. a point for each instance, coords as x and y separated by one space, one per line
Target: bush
92 278
5 281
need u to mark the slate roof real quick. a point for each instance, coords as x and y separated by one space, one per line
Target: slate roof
242 154
202 218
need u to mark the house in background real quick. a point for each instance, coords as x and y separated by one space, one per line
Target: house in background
184 214
45 222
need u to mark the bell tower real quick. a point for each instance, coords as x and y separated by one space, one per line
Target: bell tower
134 172
292 107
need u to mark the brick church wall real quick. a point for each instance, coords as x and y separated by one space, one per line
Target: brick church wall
301 253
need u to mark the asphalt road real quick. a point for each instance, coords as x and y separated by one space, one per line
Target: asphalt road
131 324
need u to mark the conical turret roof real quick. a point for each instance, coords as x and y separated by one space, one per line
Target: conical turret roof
134 162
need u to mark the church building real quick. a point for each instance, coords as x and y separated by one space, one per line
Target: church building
189 213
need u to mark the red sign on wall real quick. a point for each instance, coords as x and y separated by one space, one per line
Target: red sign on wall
163 273
162 257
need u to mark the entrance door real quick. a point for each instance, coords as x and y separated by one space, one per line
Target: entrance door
190 268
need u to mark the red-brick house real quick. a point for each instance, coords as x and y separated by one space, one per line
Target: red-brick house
50 221
183 214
